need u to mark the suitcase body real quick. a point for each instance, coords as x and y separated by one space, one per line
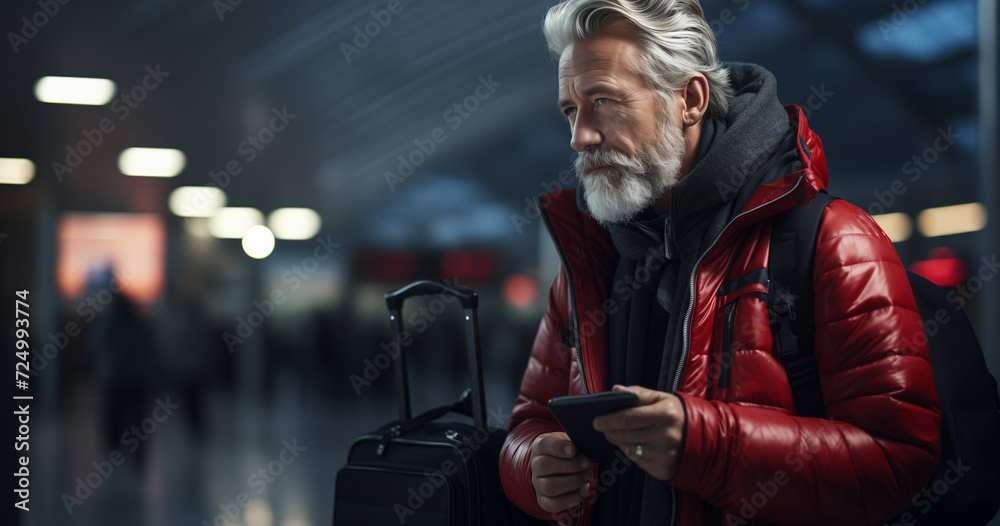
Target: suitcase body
422 471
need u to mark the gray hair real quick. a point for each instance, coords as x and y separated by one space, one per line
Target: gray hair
674 39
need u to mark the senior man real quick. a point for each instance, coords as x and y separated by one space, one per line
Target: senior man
683 164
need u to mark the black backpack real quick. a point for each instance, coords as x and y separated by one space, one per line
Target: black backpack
967 392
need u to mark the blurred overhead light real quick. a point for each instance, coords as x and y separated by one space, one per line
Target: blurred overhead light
897 226
151 162
196 201
233 222
258 242
197 227
16 171
74 90
949 220
258 513
294 223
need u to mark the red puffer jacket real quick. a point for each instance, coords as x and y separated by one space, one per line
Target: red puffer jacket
745 451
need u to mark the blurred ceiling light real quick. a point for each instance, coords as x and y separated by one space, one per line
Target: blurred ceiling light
197 227
294 223
233 222
151 162
897 226
949 220
258 242
196 201
16 171
259 513
74 90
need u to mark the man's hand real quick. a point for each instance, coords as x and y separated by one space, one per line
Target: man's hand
559 475
657 425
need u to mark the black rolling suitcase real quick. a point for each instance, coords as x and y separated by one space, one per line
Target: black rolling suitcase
421 471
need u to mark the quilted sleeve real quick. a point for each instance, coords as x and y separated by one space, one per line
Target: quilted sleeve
879 443
546 376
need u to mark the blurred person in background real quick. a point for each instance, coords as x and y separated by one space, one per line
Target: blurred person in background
683 163
124 355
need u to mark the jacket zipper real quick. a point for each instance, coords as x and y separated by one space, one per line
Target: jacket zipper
573 317
726 359
685 334
573 314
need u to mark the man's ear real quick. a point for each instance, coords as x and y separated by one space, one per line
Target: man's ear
695 96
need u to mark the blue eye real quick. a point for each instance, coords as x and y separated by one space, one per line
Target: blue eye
605 101
569 112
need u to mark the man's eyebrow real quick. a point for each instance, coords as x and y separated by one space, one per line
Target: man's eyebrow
589 92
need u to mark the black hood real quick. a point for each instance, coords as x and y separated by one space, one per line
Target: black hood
753 129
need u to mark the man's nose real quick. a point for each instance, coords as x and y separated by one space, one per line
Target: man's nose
585 134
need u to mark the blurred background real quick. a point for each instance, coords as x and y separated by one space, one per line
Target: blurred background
207 200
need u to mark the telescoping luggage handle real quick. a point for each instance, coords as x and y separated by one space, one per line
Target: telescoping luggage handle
469 301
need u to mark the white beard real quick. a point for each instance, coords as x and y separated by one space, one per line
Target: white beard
632 184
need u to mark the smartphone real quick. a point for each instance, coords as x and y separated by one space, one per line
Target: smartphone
576 415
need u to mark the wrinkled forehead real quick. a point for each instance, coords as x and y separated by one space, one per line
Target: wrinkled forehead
611 51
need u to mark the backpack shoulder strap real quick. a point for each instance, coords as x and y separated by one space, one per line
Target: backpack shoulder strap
791 297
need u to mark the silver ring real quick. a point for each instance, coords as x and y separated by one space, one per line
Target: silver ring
638 450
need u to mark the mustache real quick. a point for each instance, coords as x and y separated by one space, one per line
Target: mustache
607 156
